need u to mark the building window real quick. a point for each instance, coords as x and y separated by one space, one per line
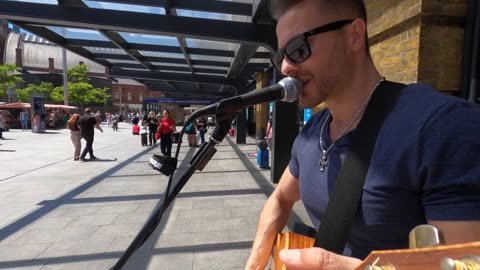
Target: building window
117 95
129 96
140 97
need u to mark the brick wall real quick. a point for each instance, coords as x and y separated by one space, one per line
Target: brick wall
418 40
134 91
394 35
441 52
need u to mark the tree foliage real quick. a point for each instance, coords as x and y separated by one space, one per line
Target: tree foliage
7 78
45 88
78 74
80 91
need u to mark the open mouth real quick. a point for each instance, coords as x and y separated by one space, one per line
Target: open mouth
304 85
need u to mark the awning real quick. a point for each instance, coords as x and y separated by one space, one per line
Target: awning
18 105
59 106
22 105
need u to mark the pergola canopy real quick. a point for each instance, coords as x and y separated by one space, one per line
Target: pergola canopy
208 49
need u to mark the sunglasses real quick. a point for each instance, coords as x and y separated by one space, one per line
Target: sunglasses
298 50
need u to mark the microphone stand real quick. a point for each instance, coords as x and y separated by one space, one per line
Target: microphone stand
224 120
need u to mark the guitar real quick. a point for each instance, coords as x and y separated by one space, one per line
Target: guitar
445 257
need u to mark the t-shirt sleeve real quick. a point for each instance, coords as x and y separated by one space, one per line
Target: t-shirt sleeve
449 163
294 164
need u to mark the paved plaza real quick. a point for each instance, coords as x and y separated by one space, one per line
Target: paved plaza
56 213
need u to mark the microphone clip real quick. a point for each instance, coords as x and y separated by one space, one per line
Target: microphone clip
165 165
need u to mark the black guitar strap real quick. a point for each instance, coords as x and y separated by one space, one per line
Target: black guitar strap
345 198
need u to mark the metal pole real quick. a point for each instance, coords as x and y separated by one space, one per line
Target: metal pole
120 103
65 83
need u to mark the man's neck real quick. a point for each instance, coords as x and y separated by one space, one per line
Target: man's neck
345 103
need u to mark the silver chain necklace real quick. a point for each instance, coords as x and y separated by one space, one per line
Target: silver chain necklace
324 158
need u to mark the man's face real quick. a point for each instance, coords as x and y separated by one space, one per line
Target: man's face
320 72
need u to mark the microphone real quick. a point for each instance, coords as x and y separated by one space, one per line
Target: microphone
288 89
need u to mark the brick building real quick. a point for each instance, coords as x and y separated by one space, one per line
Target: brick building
41 60
129 94
419 41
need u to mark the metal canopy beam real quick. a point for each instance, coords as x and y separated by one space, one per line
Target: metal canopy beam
196 5
260 13
121 43
116 39
167 60
243 54
170 68
192 87
151 47
189 91
188 98
147 58
182 42
245 33
176 77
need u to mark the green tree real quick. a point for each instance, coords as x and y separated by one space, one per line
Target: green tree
7 78
45 88
78 74
80 91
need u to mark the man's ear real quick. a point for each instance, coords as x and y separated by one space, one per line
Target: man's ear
357 35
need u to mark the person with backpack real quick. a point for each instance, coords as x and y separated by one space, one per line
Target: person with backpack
191 134
75 135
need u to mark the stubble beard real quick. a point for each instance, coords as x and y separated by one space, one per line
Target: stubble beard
315 96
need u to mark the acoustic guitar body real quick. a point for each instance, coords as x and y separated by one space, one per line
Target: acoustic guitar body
423 258
289 240
399 259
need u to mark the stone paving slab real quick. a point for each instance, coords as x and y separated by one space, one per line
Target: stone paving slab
56 213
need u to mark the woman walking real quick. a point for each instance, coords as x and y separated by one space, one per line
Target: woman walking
152 124
165 131
75 135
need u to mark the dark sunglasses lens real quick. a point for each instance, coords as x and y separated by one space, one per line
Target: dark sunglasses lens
277 60
298 50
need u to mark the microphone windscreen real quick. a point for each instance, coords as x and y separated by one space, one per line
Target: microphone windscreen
292 89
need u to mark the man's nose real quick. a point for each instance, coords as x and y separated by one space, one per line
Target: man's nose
288 67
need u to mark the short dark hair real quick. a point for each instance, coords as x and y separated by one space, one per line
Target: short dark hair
87 110
279 7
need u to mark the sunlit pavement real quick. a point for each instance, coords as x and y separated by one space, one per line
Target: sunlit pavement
57 213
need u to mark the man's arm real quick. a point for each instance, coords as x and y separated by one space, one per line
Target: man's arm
273 218
97 126
455 232
316 258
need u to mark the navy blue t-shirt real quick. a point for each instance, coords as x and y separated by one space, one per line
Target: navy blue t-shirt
425 166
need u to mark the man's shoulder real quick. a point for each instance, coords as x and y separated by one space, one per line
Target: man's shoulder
86 118
422 109
422 100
